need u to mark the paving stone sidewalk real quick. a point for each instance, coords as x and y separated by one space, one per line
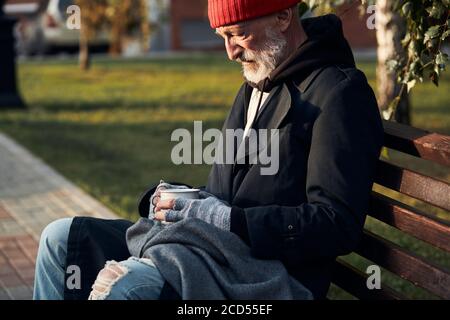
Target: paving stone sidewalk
31 196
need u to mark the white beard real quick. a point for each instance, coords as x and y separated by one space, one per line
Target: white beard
265 60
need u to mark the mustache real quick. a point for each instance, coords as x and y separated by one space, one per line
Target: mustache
246 57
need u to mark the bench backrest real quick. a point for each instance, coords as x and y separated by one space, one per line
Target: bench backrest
417 223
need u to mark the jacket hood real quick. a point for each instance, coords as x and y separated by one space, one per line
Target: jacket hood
325 45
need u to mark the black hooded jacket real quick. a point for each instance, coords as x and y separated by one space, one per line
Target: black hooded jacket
330 136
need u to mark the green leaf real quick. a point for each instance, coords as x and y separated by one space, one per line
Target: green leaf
407 8
432 33
441 58
437 70
392 65
445 35
437 10
435 78
411 84
413 47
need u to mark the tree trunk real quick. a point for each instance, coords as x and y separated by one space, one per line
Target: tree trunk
391 30
84 55
115 47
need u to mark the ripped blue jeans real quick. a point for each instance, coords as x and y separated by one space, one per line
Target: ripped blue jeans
132 279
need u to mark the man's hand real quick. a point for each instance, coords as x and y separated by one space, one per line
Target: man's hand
154 199
208 208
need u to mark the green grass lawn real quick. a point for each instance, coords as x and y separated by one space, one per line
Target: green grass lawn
108 130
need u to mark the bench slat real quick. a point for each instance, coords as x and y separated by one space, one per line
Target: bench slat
406 264
430 190
426 274
354 281
418 143
410 220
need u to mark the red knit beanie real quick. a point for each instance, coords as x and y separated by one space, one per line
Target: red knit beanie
224 12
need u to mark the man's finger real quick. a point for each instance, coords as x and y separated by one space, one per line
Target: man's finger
160 215
165 204
156 199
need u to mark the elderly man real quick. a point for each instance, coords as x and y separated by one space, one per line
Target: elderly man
301 80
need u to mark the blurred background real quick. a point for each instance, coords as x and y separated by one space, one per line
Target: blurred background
174 25
102 102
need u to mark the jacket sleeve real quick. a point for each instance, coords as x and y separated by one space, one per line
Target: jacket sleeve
346 142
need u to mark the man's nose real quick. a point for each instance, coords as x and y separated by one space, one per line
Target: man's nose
234 51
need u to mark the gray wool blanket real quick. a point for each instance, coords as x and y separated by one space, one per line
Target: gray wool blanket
203 262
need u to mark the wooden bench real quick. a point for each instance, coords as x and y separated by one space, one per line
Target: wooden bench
425 226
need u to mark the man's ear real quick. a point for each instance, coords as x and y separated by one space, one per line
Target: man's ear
284 18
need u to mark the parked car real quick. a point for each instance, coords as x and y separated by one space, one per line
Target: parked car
44 29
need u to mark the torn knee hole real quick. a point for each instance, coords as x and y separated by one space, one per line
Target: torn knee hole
112 271
106 278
